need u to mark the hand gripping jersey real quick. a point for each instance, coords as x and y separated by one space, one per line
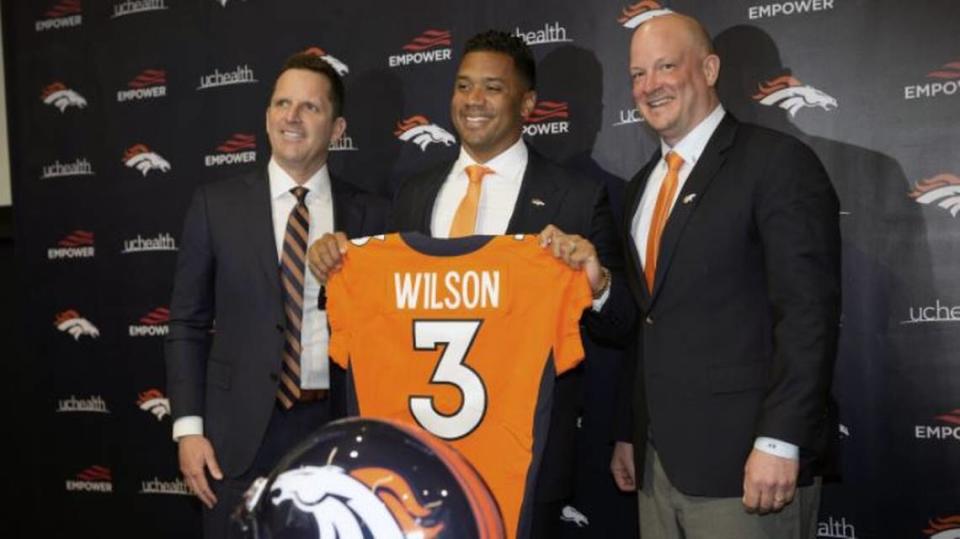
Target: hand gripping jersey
463 337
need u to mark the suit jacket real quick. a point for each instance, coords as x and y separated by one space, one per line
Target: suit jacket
576 205
738 337
223 351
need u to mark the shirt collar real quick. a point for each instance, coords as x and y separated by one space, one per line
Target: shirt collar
691 146
507 165
281 183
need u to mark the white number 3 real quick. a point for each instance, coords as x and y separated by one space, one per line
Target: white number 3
458 337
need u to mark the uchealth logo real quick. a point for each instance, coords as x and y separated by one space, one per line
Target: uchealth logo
239 148
156 485
792 95
154 401
943 528
58 95
429 47
942 190
94 479
548 118
93 404
550 33
418 130
337 65
161 242
71 322
79 167
148 84
791 7
943 81
152 324
947 427
63 14
343 144
629 116
638 13
132 7
142 158
938 312
242 74
77 244
836 528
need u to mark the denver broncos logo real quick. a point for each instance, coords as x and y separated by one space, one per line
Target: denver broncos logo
641 12
62 97
141 158
71 322
153 401
944 528
341 502
360 242
338 66
791 95
418 130
570 513
942 190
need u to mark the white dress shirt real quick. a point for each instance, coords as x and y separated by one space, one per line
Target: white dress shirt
314 364
690 148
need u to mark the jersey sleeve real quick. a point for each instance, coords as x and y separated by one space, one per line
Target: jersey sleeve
340 315
576 296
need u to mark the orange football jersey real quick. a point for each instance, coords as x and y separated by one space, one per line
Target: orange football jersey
463 337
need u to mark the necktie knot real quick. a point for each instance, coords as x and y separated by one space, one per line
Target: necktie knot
674 161
475 173
300 192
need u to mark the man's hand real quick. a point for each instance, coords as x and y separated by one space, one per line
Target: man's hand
578 253
769 482
326 255
621 465
196 456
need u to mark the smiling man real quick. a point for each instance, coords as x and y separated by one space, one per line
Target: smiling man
500 185
736 267
244 393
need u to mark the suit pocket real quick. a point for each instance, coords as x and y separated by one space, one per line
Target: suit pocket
741 377
218 374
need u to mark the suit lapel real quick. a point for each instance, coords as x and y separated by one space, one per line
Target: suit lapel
693 192
421 214
259 222
633 195
538 200
345 214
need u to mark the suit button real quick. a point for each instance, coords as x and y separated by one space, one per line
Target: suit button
273 377
649 320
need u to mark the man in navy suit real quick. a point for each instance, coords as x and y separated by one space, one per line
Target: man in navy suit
235 409
733 254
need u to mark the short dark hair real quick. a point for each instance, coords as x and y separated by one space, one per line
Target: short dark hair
313 62
512 46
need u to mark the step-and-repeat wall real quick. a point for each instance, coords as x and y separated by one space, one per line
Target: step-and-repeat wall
119 108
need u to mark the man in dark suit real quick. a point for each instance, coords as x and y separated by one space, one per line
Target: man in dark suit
246 356
519 192
733 249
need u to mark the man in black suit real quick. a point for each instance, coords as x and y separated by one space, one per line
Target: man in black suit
521 192
733 249
240 310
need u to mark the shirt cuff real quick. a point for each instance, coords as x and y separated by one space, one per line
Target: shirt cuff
777 448
186 426
599 302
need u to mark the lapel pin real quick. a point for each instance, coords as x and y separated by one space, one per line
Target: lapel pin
689 198
537 202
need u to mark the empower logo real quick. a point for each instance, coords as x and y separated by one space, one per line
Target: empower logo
239 148
241 75
77 244
418 130
341 68
792 95
64 14
946 81
943 528
547 118
430 46
58 95
94 479
132 7
92 404
947 429
142 158
162 242
793 7
153 401
80 167
942 190
550 33
836 529
636 14
149 84
152 324
71 322
156 486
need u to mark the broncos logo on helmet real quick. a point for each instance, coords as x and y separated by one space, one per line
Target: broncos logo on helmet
62 97
343 503
141 158
791 95
418 130
71 322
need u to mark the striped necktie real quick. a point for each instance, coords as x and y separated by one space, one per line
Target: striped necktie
292 265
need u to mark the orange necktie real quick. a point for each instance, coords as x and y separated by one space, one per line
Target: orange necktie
660 213
465 220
